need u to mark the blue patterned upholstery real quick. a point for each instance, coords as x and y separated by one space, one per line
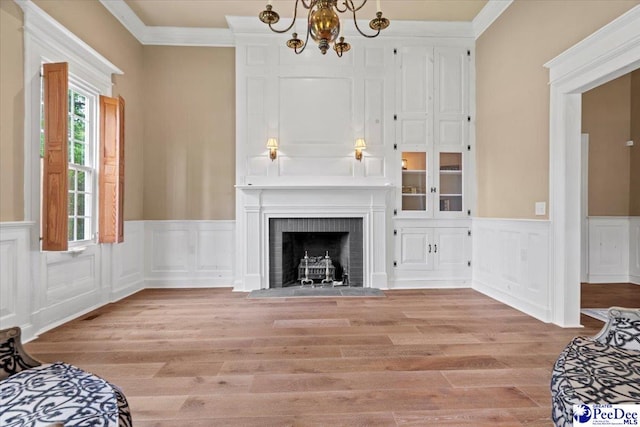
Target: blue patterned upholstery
600 369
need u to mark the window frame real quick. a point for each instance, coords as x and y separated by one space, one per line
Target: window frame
47 41
92 148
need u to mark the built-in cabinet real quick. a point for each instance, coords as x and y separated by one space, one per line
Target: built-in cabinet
432 158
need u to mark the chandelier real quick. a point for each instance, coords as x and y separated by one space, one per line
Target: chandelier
323 24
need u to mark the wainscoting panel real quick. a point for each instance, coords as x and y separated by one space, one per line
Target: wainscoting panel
189 253
510 259
128 261
634 250
609 249
40 290
15 278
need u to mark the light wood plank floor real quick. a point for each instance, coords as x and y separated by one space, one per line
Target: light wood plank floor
212 357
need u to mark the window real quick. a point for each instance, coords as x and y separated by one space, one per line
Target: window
81 163
77 195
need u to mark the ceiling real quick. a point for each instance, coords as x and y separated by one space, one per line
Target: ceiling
211 13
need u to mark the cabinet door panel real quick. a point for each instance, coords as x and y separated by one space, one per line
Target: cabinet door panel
414 248
451 103
452 248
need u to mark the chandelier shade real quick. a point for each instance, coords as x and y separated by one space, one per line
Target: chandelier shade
324 24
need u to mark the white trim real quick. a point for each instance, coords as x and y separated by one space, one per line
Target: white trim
489 13
127 17
223 37
510 263
608 53
181 36
167 36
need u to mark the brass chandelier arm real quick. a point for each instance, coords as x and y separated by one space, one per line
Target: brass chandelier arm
293 21
369 36
306 40
349 5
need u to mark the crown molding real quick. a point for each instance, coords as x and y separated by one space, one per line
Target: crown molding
167 36
489 13
222 37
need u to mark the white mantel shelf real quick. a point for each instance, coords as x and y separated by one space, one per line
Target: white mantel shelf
387 186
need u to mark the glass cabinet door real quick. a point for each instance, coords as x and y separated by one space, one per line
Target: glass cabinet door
450 177
414 181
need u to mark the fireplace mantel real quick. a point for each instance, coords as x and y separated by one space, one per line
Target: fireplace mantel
257 204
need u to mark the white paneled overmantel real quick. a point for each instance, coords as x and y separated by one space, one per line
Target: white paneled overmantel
316 107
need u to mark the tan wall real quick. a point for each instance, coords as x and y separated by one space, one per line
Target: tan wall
90 21
606 117
189 133
634 181
513 97
11 113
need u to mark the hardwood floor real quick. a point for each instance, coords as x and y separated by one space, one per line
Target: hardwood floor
212 357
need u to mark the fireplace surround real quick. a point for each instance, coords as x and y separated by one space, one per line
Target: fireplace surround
365 206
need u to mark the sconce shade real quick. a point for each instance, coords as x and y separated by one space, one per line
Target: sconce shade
360 145
272 145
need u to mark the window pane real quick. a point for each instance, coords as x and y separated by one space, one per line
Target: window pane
72 179
72 203
80 235
79 105
71 230
81 198
81 179
78 129
78 153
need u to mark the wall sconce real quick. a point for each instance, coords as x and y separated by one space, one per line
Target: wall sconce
404 164
360 145
272 145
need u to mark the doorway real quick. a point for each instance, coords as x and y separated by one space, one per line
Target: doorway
605 55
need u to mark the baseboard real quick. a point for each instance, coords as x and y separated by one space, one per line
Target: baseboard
608 278
428 284
185 283
541 313
634 279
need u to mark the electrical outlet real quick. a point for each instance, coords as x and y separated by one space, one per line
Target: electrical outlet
541 208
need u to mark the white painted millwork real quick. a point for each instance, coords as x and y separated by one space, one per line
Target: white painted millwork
613 249
634 250
261 203
610 52
56 287
188 253
510 263
433 117
431 254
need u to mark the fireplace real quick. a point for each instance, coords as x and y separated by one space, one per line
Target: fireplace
290 239
360 211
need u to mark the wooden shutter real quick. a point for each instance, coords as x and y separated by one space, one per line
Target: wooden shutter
111 191
55 171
